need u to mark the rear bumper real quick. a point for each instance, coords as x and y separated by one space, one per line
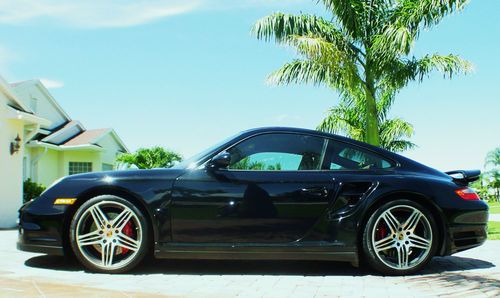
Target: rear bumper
466 237
468 229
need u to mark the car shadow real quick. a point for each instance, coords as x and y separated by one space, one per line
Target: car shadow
253 267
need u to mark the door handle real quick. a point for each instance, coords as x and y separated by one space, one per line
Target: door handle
315 192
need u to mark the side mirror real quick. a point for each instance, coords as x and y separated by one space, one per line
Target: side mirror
220 161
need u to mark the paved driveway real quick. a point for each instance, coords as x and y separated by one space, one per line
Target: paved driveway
475 273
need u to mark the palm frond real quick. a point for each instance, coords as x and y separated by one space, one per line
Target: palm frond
315 47
407 19
280 26
493 158
303 71
350 14
399 72
449 65
398 145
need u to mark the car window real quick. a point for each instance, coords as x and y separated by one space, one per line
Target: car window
344 156
278 152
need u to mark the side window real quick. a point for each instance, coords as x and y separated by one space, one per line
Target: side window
344 156
278 152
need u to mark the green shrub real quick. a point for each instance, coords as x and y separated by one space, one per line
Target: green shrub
31 190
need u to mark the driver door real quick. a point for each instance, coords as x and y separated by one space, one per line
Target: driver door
273 191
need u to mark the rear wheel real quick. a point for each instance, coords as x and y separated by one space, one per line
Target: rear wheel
400 238
109 234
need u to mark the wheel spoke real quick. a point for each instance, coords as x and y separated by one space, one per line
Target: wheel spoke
127 242
391 221
412 221
385 244
122 219
91 238
100 219
99 235
108 251
419 242
403 256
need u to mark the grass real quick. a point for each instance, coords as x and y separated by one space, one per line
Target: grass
494 230
494 207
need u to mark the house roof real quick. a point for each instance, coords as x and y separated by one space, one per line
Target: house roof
87 137
64 133
36 83
69 136
14 101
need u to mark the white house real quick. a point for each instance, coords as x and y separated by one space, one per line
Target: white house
38 140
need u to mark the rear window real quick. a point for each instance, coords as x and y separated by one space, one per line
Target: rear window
345 156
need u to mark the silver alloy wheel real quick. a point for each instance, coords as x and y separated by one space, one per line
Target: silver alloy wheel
100 235
402 237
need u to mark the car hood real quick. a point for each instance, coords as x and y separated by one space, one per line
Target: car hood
165 174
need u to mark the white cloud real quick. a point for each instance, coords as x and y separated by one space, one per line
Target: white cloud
52 84
93 13
115 13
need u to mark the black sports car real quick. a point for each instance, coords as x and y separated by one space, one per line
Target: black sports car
268 193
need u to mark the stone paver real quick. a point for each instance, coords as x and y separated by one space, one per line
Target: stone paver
475 273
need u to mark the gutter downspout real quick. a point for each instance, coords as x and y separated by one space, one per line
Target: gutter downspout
35 161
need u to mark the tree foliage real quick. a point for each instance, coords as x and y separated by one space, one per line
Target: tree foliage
150 158
363 51
347 119
31 190
491 178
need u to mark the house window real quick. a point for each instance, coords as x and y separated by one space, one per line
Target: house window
107 167
79 167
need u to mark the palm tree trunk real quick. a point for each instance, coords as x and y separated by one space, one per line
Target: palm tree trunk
372 131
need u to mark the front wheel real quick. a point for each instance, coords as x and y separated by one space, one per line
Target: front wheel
400 238
109 234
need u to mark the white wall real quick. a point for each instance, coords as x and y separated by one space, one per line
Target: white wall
44 107
11 168
111 149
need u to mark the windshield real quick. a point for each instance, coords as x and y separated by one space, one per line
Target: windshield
194 160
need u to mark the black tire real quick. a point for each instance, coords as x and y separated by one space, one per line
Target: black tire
137 256
371 257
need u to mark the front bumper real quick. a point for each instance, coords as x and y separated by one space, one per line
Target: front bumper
41 227
37 248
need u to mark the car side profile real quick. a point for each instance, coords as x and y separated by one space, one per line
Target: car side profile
267 193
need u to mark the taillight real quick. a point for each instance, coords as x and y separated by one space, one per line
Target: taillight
467 194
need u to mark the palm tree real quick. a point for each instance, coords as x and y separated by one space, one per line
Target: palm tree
347 118
493 161
150 158
493 158
364 49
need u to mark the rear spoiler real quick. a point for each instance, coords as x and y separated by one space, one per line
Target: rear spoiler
463 176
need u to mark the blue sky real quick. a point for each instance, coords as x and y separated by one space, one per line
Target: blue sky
185 74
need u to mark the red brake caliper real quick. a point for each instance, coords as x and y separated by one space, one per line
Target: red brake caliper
127 230
382 233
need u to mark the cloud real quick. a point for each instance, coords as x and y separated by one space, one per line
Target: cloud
116 13
52 84
93 13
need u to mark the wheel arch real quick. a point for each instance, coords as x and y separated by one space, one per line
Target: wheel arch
420 198
106 190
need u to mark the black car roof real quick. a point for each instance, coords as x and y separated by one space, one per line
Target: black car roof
314 132
405 162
